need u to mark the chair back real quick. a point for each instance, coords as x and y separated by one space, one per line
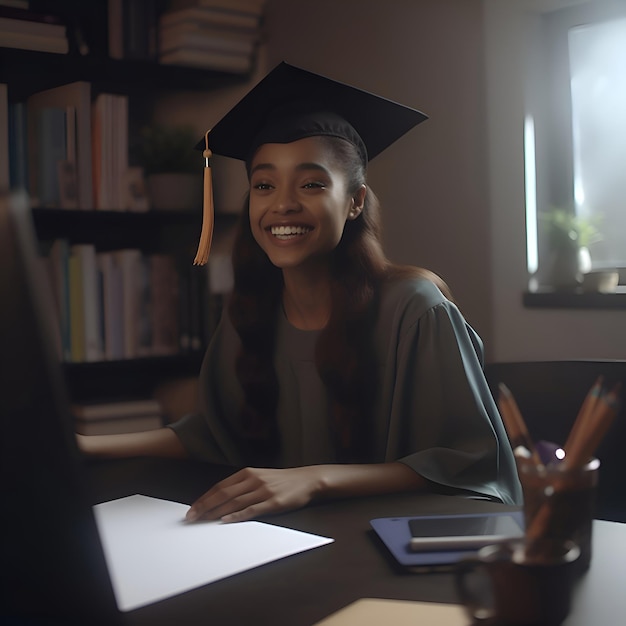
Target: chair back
549 395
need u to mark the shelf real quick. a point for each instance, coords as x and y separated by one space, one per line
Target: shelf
128 378
110 230
575 299
27 72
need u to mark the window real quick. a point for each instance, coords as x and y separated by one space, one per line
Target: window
597 54
575 131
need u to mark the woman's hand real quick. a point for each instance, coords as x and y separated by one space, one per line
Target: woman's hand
253 492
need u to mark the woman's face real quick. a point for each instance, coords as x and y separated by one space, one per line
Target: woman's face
299 202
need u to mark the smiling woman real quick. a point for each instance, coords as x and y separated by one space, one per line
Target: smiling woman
334 372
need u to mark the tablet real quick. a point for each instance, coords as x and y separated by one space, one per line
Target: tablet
461 533
395 533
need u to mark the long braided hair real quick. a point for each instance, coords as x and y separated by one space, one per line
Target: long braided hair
344 351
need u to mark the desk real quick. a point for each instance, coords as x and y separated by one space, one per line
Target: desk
302 589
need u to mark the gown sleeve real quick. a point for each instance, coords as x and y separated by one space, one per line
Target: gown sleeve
206 437
444 423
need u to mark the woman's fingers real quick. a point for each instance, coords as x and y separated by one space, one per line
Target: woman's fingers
223 498
253 492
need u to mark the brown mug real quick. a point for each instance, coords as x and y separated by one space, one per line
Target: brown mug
522 591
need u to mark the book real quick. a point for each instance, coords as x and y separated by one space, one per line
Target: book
242 6
184 321
38 43
47 271
25 14
116 409
110 151
115 23
210 16
195 36
139 21
110 282
164 288
76 310
18 146
67 169
31 27
48 143
128 261
78 96
59 261
118 426
91 301
208 59
17 4
4 138
144 313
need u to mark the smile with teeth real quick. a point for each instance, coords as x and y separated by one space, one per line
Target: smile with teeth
289 232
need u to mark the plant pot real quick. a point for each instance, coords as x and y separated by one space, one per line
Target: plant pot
566 267
175 191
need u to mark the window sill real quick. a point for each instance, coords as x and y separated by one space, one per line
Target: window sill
576 299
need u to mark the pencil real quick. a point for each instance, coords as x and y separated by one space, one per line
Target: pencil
584 414
515 425
594 429
589 436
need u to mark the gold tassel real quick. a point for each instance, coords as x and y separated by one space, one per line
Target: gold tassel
206 236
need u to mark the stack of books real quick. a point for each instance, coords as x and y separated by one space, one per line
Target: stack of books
212 34
109 151
124 304
27 30
118 417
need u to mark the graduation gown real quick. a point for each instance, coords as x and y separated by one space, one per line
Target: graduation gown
434 411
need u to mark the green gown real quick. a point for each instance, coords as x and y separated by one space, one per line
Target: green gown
434 410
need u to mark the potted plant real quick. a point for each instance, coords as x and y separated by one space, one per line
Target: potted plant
172 167
569 237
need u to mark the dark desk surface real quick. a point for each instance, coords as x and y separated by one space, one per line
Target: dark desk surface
304 588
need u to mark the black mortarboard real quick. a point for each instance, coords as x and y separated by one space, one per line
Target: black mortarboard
290 104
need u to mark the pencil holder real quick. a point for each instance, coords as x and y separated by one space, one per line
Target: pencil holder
559 506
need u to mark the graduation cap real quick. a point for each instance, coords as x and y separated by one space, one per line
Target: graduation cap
291 103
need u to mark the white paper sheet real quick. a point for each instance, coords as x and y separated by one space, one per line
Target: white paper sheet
152 554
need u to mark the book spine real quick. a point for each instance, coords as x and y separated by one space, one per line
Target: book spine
77 317
91 304
4 139
50 141
38 43
18 146
140 29
129 263
112 306
164 304
209 59
144 322
59 258
78 96
209 16
29 27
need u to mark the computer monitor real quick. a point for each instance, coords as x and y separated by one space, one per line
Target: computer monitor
52 563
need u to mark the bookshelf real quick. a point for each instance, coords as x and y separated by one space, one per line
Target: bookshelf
27 73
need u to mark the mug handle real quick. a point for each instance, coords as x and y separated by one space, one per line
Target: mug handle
473 607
